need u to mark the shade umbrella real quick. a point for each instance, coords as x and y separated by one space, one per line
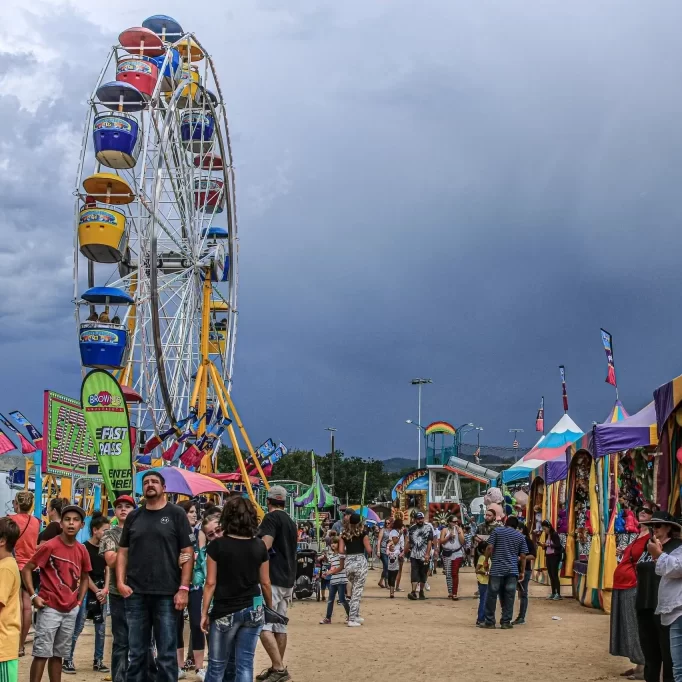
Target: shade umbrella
234 477
367 513
183 482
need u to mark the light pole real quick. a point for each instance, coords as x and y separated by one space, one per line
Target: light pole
515 444
459 433
478 451
332 431
419 383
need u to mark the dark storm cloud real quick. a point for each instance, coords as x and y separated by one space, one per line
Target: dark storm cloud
465 191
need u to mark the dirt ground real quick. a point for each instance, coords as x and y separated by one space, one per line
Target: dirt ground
435 640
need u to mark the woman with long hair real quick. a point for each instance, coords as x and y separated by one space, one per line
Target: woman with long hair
382 542
624 639
522 587
452 553
399 526
553 551
24 549
237 584
353 544
197 641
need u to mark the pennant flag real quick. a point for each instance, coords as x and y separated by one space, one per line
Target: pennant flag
192 456
106 416
562 371
540 419
26 446
170 453
6 445
607 340
157 439
35 435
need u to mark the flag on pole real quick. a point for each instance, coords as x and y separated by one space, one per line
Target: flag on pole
562 371
540 419
6 445
32 431
26 446
515 444
607 340
477 455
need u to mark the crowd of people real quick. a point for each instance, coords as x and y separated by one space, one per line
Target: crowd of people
156 567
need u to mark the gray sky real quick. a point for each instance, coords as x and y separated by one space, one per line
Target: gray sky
464 191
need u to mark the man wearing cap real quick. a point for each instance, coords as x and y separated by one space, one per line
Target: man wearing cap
419 544
64 566
108 548
278 532
149 578
338 525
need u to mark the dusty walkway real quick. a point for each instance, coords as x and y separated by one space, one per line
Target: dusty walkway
434 640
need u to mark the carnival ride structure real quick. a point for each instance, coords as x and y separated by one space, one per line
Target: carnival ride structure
156 244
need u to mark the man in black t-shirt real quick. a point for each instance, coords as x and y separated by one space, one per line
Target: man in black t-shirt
278 532
150 580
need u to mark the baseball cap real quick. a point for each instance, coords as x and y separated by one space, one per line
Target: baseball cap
73 508
347 511
277 493
124 498
419 515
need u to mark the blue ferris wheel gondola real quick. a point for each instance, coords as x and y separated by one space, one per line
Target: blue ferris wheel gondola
196 130
165 27
117 140
215 233
107 296
120 96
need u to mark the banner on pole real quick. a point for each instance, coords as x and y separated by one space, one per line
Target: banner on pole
6 444
106 416
540 418
27 447
35 435
562 371
607 340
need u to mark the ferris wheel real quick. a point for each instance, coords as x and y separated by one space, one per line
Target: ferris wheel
155 248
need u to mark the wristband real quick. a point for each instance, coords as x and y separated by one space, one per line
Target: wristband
33 596
184 587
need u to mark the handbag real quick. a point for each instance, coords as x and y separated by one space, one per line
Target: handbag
274 618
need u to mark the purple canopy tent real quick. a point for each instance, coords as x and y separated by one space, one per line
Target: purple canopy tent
636 431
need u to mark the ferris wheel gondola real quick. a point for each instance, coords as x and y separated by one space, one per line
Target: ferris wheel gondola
156 240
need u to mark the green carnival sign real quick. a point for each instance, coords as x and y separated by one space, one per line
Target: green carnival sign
106 415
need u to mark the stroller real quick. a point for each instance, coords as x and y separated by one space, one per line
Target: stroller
307 575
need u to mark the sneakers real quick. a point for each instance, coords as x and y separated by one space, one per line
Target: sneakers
422 596
262 676
558 597
98 666
519 621
351 624
427 587
506 626
359 620
326 621
68 667
201 674
181 674
487 626
412 596
278 676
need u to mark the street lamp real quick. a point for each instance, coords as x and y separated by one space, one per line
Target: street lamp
459 433
478 451
419 383
332 431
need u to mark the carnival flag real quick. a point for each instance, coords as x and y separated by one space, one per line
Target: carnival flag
540 419
32 431
607 340
26 446
562 371
106 416
6 445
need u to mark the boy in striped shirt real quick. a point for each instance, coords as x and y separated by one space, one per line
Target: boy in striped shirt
337 583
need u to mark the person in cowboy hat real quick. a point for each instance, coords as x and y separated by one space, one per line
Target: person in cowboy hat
654 634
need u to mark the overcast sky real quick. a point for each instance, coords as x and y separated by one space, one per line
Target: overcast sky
459 190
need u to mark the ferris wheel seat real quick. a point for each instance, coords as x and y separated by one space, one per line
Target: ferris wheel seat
120 96
188 94
102 345
209 162
107 296
141 72
117 140
167 28
108 188
208 195
196 130
101 234
190 50
217 306
140 40
171 71
217 342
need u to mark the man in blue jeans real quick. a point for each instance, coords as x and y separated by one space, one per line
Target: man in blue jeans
507 548
151 581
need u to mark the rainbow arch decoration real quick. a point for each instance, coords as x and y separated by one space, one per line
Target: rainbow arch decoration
440 427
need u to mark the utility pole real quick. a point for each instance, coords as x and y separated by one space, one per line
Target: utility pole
515 444
478 451
419 383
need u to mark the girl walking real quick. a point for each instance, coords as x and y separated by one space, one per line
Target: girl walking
337 583
393 554
452 552
352 547
482 570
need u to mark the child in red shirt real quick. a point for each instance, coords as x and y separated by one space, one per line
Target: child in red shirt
64 565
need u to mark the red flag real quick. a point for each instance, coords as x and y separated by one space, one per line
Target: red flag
192 456
170 453
6 445
540 418
26 447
